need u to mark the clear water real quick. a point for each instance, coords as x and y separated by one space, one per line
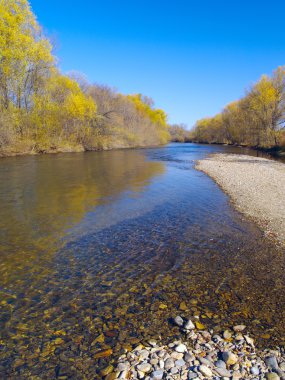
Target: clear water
99 249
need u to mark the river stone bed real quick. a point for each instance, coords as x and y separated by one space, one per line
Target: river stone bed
201 355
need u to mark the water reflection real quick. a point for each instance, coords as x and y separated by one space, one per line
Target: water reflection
100 249
42 197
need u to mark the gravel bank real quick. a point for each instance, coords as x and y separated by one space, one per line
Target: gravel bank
256 187
201 355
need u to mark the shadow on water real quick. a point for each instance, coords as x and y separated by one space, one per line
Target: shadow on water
98 250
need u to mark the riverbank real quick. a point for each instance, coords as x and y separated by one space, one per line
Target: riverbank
256 187
73 149
202 354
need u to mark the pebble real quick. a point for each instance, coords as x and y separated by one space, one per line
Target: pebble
157 375
169 363
179 321
272 376
123 367
254 371
271 362
249 340
199 356
145 367
181 348
180 363
220 364
192 375
189 325
239 328
223 372
227 334
206 371
229 358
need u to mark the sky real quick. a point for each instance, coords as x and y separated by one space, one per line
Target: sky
191 57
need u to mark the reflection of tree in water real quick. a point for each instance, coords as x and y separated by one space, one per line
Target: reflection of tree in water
42 197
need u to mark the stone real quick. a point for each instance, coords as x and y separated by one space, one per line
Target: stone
206 371
229 358
220 364
249 340
192 375
174 370
107 370
181 348
144 367
111 376
188 358
180 363
103 354
272 376
189 325
125 374
143 354
223 372
271 362
239 328
236 375
205 361
123 367
282 366
183 306
157 375
168 364
177 355
254 371
179 321
199 325
227 334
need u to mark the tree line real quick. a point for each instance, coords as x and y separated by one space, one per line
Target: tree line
257 119
42 110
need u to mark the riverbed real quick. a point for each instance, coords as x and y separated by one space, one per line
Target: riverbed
99 250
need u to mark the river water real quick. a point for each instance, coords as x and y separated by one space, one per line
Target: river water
99 250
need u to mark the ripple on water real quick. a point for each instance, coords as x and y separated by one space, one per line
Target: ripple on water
108 256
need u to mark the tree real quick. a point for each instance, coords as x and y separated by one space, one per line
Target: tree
25 56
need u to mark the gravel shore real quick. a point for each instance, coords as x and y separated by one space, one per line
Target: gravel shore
201 355
256 187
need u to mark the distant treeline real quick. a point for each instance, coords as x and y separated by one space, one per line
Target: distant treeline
42 110
257 119
179 133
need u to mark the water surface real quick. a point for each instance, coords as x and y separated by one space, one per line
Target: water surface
98 250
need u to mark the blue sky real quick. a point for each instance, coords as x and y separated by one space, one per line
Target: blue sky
191 57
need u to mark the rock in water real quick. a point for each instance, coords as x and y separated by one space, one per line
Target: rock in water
179 321
239 328
189 325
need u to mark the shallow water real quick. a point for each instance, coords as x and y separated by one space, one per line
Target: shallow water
98 250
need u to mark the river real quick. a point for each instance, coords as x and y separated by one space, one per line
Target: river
99 250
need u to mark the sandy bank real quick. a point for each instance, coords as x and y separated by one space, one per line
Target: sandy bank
255 185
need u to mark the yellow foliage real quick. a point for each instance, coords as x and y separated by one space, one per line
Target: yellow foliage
43 110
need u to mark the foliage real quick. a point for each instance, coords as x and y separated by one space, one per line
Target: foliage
179 133
43 110
257 119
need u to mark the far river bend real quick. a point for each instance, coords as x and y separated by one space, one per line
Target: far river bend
99 249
